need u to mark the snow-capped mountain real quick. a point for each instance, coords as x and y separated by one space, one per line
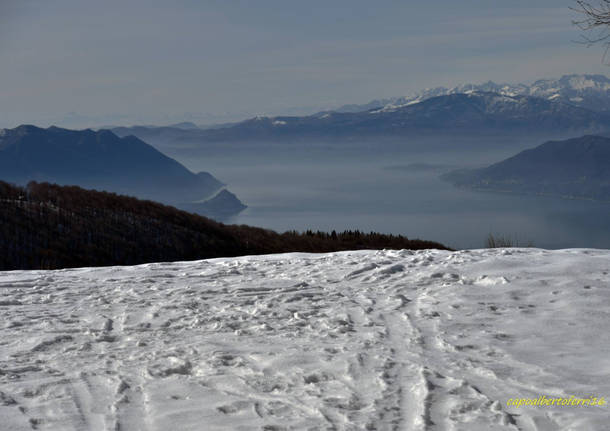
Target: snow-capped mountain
569 106
587 91
462 113
387 340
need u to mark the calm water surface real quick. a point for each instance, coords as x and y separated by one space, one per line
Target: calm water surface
401 194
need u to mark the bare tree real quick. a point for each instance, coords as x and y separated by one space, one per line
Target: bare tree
594 21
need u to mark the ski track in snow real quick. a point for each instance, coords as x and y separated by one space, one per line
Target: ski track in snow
377 340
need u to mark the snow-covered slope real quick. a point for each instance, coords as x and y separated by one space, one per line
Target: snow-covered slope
402 340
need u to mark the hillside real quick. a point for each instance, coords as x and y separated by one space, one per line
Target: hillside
368 340
578 167
51 226
100 160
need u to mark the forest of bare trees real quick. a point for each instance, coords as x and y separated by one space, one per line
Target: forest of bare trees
46 226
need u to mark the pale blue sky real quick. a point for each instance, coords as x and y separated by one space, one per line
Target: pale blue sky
82 63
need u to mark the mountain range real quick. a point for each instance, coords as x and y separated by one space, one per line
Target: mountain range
103 161
464 114
575 168
586 91
572 105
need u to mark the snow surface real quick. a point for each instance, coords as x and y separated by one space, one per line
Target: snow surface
426 340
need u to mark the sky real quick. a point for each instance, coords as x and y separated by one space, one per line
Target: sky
84 63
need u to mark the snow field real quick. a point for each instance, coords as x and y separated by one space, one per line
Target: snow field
379 340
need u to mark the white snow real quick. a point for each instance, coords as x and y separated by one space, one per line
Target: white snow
580 82
395 107
279 123
426 340
577 88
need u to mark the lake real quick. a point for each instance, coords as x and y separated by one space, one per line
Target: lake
396 191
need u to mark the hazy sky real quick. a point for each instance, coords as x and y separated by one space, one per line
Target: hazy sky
81 63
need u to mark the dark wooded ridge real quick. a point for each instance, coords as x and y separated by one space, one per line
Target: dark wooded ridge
46 226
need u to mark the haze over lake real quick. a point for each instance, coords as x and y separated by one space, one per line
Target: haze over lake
395 188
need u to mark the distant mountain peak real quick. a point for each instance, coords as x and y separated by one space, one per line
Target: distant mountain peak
186 125
587 91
